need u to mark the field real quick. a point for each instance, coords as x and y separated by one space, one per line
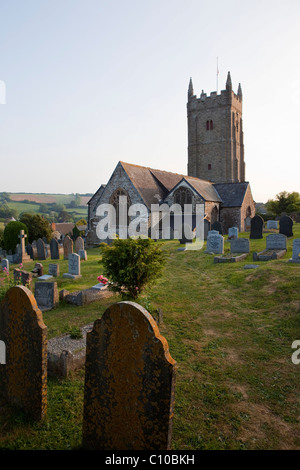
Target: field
230 330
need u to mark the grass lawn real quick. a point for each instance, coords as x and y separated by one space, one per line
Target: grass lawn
230 330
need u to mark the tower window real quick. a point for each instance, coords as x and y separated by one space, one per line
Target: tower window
209 125
209 166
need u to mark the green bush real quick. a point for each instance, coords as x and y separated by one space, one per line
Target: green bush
132 264
10 235
38 227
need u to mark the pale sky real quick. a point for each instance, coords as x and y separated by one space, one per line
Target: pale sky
92 82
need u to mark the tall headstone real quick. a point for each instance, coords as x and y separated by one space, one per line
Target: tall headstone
129 382
24 376
79 244
22 251
74 266
286 225
54 249
68 246
257 225
41 249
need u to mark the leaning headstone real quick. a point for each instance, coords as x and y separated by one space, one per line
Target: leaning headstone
215 244
53 269
129 382
257 225
296 251
5 264
46 294
79 244
68 247
233 233
41 249
24 376
286 225
54 249
217 226
272 224
74 266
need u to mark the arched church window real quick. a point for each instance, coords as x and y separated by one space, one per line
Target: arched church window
183 196
209 125
116 202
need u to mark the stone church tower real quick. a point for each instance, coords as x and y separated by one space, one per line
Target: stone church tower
215 135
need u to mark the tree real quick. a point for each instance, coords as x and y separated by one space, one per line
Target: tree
38 227
132 264
10 235
284 202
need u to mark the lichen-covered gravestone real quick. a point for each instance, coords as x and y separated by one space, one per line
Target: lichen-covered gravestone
68 246
79 244
129 382
46 294
24 376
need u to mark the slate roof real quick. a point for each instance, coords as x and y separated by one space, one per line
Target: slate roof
232 194
154 185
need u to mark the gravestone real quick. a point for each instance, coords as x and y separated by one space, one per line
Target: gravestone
233 233
23 277
286 225
79 244
5 264
217 226
129 382
83 255
54 249
46 294
38 270
74 266
41 249
186 234
296 251
24 377
257 225
272 224
275 248
276 241
68 247
22 251
215 244
53 269
240 245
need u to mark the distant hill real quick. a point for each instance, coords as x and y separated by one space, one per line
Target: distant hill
49 198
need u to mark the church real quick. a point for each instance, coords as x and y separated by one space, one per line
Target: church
215 170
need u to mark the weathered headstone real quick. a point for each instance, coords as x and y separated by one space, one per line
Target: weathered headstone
240 245
257 225
54 249
296 251
41 249
83 255
215 244
233 233
24 376
38 270
217 226
74 266
129 382
23 277
276 241
46 294
286 225
68 247
79 244
272 224
5 264
53 269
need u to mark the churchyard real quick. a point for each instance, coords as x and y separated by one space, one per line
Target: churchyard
230 328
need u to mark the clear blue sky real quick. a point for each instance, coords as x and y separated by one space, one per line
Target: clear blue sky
92 82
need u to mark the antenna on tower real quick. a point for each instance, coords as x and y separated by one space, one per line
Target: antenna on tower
217 74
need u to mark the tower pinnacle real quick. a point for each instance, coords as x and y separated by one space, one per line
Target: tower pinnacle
191 89
228 82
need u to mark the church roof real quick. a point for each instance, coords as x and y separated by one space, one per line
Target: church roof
232 194
154 185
